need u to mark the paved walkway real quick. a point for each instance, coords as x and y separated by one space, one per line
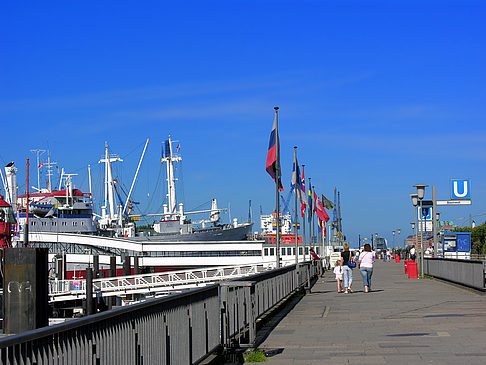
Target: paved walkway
403 321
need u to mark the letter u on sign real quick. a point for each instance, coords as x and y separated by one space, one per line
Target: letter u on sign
460 189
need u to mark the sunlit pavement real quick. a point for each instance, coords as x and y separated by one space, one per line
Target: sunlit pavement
402 321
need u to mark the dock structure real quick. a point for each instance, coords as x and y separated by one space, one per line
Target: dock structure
280 312
402 321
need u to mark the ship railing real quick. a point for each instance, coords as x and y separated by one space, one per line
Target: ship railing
183 328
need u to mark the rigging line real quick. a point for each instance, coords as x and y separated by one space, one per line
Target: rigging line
133 150
154 191
200 206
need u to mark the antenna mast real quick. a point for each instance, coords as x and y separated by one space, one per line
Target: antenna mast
38 153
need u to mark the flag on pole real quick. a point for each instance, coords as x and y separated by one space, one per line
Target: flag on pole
297 182
315 200
273 147
40 165
303 205
321 212
326 202
309 205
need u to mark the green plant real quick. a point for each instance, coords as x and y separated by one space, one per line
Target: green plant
254 356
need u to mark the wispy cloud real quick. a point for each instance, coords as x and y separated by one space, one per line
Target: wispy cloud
437 145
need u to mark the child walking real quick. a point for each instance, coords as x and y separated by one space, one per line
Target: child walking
339 275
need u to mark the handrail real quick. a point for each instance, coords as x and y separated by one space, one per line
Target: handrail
470 273
177 329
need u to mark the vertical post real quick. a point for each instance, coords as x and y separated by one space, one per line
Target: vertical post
112 300
96 266
313 223
89 291
26 226
277 196
421 241
127 267
136 268
434 221
295 202
416 227
309 212
112 266
303 228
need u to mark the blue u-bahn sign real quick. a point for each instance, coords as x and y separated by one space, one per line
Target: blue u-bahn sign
460 189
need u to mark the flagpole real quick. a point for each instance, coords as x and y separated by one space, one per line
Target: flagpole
313 215
277 197
297 177
303 226
310 212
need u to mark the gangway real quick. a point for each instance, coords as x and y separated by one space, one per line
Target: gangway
158 283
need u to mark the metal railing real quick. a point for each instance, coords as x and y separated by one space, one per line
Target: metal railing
61 290
178 329
471 273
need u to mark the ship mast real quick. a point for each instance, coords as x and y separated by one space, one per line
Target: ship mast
38 153
49 171
170 209
107 219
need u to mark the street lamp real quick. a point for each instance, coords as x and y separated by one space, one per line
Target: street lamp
437 221
420 195
398 237
393 232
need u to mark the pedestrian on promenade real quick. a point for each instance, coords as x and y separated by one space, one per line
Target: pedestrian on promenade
365 265
317 260
339 275
347 260
413 255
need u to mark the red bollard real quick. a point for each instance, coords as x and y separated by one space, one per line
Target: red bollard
412 270
397 259
405 263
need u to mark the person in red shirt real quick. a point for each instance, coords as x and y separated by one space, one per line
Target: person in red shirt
316 258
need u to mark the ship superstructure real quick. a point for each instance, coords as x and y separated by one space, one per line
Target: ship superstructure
175 225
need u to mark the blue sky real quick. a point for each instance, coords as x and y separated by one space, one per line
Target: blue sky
377 96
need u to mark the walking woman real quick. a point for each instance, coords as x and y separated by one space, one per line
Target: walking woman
347 271
365 264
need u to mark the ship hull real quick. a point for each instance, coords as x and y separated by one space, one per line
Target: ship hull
239 233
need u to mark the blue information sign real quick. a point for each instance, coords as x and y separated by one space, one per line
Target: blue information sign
460 189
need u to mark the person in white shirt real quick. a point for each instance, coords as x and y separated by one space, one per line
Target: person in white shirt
339 275
413 255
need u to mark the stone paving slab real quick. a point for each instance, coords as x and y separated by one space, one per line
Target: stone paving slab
402 321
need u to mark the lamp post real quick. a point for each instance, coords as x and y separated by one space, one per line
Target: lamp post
420 195
437 216
414 198
398 230
393 251
412 224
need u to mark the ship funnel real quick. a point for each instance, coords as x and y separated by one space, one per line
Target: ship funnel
214 215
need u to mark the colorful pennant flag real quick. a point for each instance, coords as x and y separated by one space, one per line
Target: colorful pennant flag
303 205
309 205
297 182
273 147
327 203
